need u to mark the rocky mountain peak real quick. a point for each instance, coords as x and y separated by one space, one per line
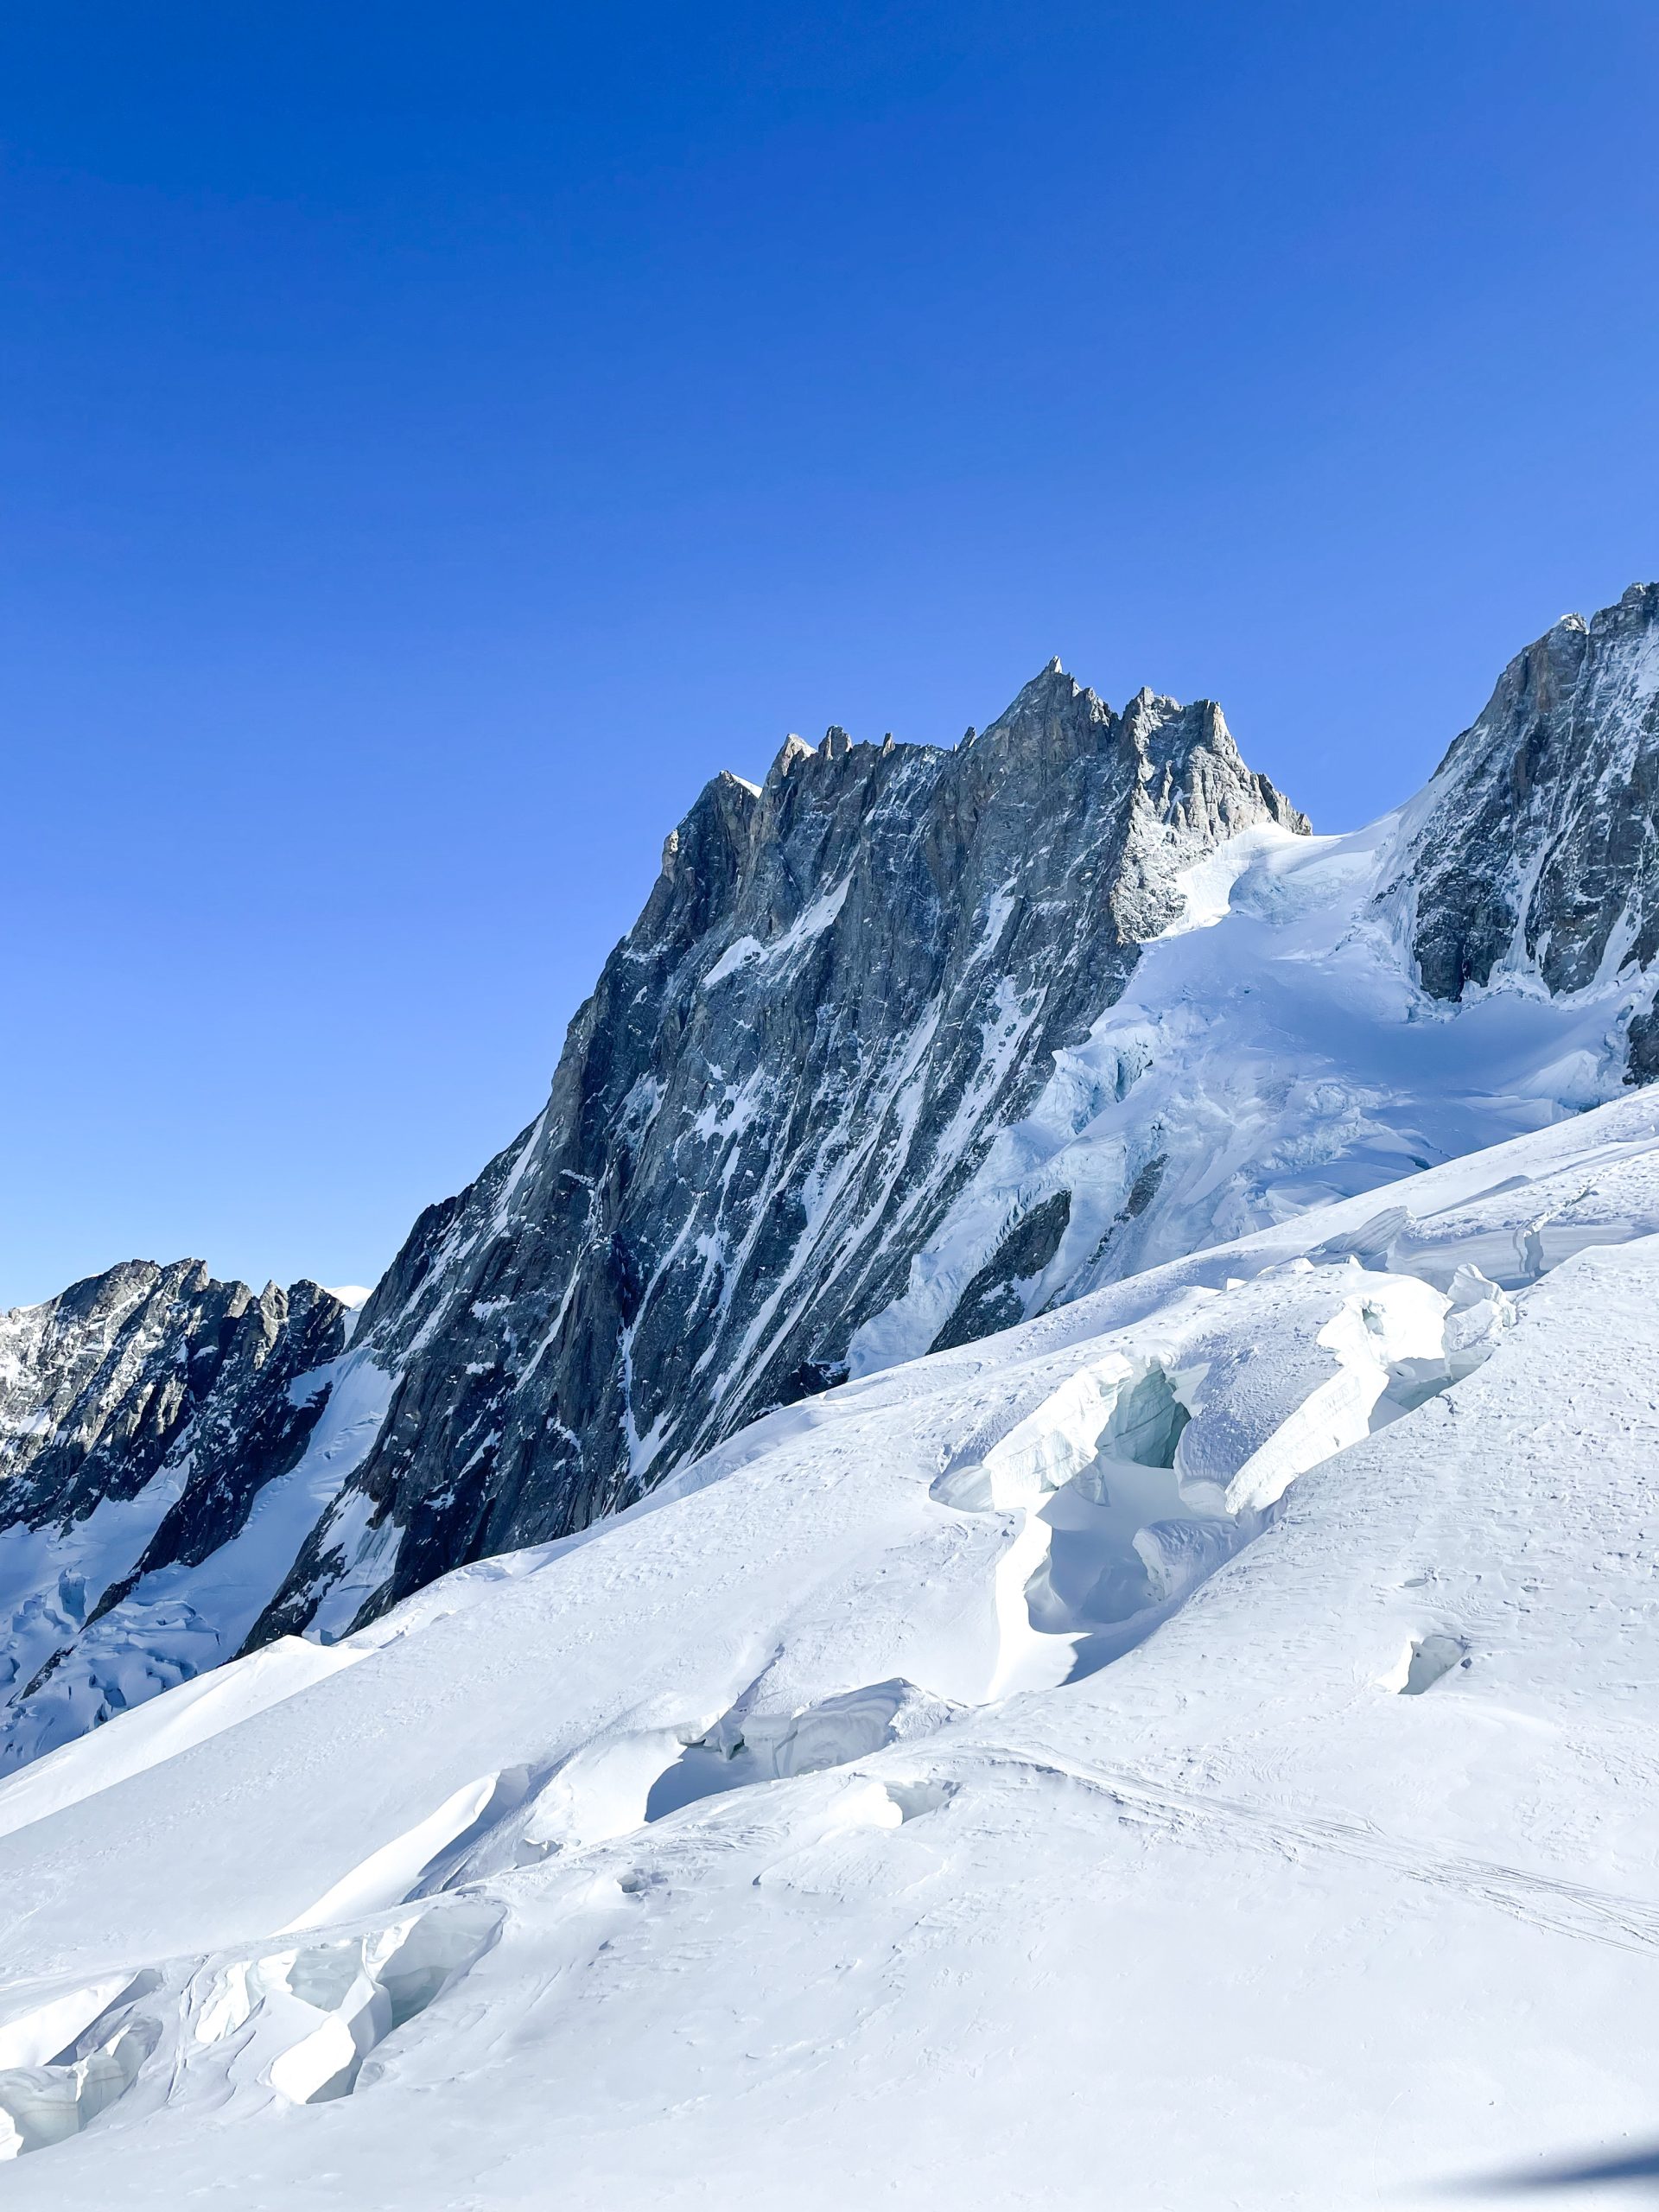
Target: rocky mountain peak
789 755
1049 718
840 990
142 1411
1533 852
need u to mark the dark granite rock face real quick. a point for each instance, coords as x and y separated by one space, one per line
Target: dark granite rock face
843 984
126 1373
1535 849
989 1301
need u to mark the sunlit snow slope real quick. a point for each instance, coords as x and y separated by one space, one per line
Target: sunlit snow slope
1273 1051
1194 1750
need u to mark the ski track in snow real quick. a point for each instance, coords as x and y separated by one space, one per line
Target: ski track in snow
1567 1908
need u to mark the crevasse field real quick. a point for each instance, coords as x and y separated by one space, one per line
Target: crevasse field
1195 1749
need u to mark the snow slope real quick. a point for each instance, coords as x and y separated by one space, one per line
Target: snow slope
1273 1051
1194 1748
1328 1013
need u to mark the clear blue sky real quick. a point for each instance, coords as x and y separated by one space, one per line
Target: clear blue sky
437 437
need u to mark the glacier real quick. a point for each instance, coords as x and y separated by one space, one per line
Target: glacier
1195 1744
1008 1558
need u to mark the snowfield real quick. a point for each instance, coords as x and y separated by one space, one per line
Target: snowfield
1273 1052
1197 1749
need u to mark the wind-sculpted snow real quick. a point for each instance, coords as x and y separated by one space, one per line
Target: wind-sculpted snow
1131 1728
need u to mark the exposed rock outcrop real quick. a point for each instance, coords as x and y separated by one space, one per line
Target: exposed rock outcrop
844 983
1534 849
143 1412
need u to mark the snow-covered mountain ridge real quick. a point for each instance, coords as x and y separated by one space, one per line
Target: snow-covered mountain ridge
908 1044
1198 1741
144 1416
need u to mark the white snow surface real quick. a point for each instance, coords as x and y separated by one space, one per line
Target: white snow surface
1272 1052
1197 1749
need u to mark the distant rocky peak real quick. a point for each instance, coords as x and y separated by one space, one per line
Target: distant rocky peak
1534 849
791 753
845 985
1132 798
1052 717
